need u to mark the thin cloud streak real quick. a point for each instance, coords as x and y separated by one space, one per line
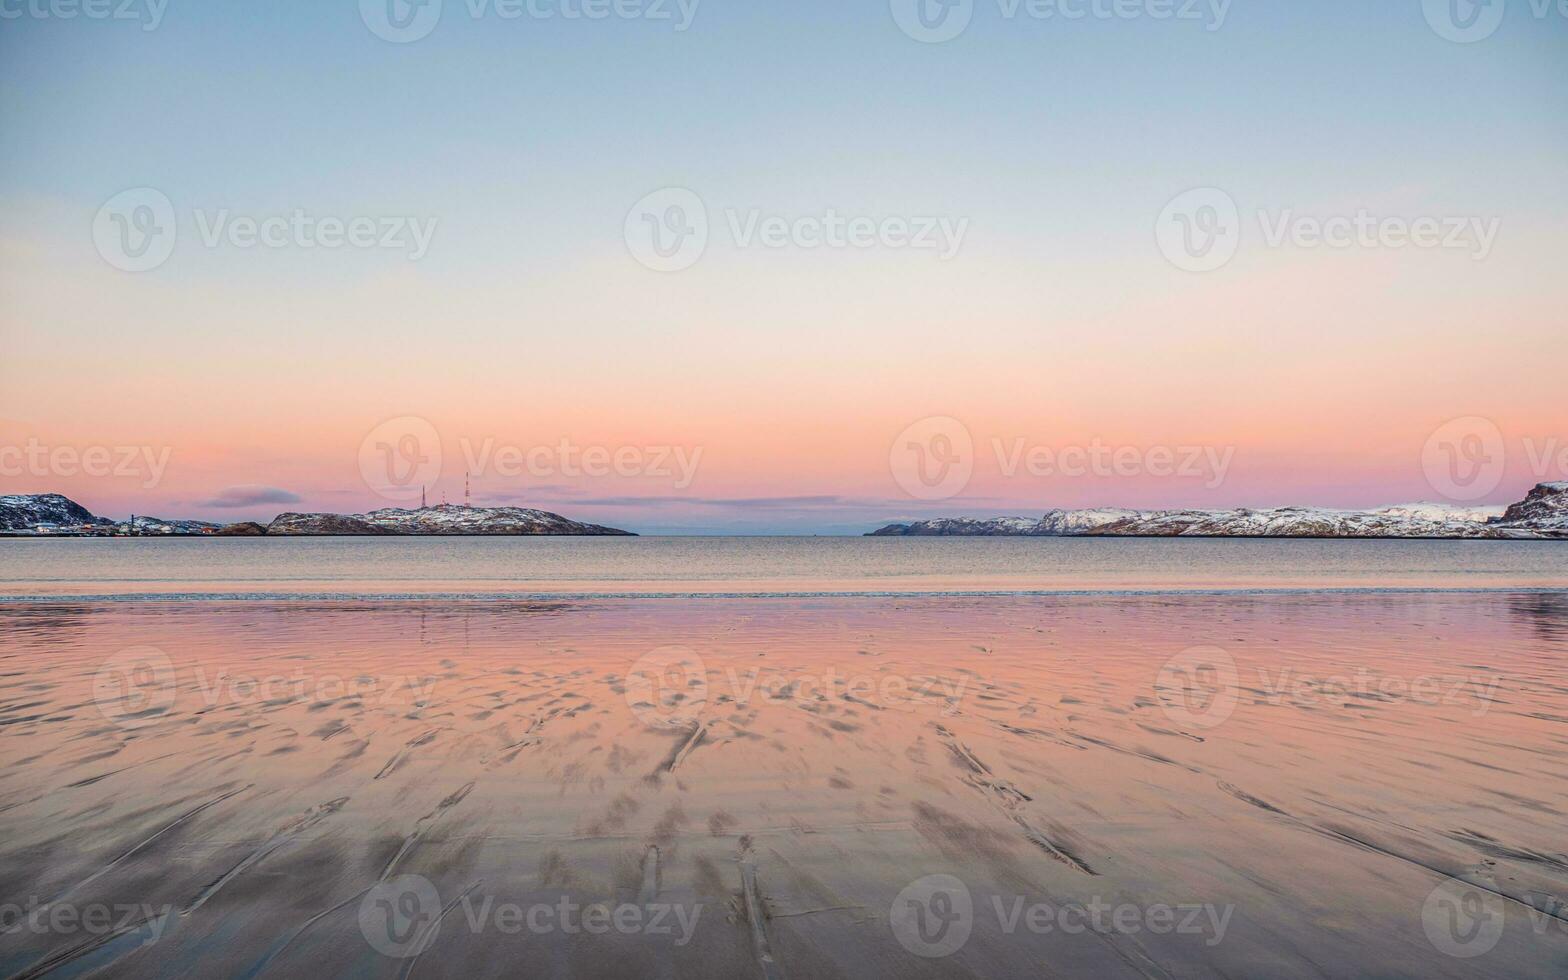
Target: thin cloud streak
804 502
250 496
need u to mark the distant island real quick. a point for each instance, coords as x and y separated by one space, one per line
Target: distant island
55 515
1543 515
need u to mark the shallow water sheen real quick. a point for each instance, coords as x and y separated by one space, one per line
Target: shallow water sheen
1248 785
758 566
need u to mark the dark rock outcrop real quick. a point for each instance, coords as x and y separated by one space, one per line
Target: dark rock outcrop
962 527
244 529
1546 505
302 525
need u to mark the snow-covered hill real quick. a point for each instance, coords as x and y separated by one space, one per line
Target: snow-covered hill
444 519
158 525
54 514
1544 514
45 513
1546 507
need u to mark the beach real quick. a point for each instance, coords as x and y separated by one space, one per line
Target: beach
1290 783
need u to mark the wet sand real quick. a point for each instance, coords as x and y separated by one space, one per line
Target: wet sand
1237 785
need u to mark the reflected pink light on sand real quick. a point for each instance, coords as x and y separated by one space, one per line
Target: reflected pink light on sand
259 768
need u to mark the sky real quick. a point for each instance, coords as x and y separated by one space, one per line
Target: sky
781 268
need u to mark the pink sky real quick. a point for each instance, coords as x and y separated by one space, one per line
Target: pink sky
1321 379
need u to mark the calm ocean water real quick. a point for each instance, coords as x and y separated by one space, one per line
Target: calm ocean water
759 566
